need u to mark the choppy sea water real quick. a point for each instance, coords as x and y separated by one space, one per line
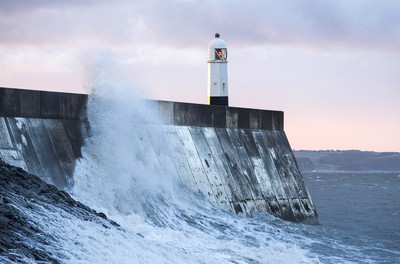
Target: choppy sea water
359 210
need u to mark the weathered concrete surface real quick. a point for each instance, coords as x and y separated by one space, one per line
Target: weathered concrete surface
66 106
240 159
239 170
186 114
41 104
41 132
22 236
44 147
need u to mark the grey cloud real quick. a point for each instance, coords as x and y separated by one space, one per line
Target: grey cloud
311 22
342 23
68 25
10 7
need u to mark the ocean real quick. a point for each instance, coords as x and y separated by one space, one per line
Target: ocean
360 212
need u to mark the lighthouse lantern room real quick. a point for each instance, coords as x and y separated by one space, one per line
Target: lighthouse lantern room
217 72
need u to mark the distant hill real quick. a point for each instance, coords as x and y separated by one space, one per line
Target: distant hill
347 160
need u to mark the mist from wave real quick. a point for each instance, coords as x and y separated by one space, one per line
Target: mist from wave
161 221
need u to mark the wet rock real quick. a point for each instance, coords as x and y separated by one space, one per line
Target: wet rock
21 240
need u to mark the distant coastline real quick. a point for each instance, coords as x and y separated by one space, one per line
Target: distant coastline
347 160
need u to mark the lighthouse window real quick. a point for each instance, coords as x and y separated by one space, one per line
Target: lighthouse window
220 54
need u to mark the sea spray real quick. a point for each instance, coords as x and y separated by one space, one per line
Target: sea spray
113 173
161 220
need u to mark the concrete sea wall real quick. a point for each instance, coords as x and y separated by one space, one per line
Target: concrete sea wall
239 159
41 132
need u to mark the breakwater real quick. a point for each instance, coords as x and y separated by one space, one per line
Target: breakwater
239 159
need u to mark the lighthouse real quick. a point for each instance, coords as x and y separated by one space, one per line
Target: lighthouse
217 72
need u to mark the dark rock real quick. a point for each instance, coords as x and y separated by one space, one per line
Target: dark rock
21 240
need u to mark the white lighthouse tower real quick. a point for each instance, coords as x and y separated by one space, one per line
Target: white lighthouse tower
217 72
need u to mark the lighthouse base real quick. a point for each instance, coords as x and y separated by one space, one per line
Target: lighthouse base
218 100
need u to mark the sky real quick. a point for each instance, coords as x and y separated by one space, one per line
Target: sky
333 66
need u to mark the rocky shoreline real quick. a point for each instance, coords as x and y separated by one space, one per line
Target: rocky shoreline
22 238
